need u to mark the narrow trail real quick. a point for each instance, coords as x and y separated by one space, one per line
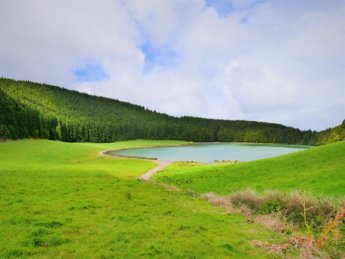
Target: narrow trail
146 176
160 166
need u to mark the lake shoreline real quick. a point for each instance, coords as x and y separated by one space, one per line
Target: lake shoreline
218 151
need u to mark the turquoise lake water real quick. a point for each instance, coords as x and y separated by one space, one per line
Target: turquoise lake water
209 152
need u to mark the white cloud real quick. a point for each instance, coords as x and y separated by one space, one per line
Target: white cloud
279 61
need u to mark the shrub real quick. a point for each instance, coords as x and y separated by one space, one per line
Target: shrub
296 208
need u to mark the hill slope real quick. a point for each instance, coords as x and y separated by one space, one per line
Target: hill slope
41 111
59 200
319 170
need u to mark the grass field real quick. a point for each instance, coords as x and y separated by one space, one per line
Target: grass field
319 171
60 200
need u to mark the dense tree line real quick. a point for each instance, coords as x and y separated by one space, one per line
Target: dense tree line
42 111
331 135
19 121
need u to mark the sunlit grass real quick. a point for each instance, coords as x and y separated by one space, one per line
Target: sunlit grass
318 171
61 200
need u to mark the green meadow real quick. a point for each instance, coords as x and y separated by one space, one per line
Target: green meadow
61 200
319 171
304 189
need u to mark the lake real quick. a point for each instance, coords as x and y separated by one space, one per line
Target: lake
209 152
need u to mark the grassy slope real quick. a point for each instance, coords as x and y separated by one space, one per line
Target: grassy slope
61 200
319 170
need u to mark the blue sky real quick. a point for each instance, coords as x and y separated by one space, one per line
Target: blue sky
90 72
225 7
163 56
281 61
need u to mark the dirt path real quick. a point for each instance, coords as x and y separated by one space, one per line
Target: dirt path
160 166
145 177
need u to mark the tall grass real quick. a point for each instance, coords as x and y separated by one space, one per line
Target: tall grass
316 223
309 213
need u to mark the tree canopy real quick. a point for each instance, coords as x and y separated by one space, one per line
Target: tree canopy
36 110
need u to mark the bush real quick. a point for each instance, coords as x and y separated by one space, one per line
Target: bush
298 209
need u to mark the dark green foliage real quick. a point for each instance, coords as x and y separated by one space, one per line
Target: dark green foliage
19 121
41 111
331 135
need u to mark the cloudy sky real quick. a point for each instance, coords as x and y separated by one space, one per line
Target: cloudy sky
270 60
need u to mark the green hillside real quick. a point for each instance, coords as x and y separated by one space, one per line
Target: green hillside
331 135
41 111
319 171
59 200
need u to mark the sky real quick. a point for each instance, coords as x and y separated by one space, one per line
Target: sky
279 61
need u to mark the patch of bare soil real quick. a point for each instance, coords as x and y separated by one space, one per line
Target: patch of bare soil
149 173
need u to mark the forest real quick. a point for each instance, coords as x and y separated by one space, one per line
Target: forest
34 110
